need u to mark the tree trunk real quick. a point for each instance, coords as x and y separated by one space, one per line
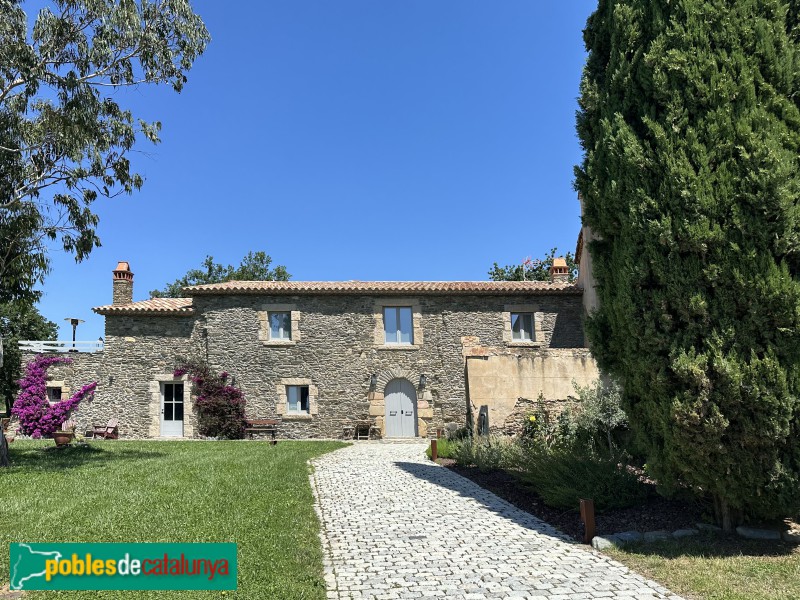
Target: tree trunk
4 461
723 513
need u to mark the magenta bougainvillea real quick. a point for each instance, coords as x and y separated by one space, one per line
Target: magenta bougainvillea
220 405
37 417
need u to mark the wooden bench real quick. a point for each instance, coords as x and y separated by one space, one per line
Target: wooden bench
270 426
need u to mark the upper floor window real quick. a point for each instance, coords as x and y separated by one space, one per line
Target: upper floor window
297 399
397 325
280 325
522 327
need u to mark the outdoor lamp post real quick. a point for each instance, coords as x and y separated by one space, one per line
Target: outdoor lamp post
74 322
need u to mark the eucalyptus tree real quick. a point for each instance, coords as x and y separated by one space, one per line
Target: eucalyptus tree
65 139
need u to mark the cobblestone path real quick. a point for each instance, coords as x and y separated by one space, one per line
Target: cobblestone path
396 526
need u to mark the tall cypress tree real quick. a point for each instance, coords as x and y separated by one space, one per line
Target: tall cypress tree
690 123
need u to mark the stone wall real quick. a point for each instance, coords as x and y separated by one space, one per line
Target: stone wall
336 348
338 351
510 384
139 353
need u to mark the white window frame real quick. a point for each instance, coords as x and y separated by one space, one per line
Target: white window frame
299 410
398 321
282 337
282 398
265 327
184 390
531 331
538 334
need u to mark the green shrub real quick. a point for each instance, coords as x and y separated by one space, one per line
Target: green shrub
444 448
594 419
486 453
563 476
544 430
600 417
462 453
462 433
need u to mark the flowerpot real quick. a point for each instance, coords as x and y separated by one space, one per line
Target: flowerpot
63 438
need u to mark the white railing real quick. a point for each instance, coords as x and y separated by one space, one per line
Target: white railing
60 346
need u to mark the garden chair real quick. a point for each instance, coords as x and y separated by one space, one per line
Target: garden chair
109 431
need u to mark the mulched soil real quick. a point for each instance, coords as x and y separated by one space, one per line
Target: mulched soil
657 513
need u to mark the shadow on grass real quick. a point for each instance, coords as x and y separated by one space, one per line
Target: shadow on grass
51 458
712 545
464 487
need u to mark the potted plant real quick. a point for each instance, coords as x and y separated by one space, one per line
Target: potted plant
65 435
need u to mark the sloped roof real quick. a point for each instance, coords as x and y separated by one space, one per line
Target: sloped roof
154 306
383 287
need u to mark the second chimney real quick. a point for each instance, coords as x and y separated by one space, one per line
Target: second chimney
123 284
559 272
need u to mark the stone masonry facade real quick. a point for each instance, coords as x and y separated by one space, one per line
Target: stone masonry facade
336 349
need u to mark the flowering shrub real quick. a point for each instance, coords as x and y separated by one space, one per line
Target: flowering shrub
543 429
37 417
220 406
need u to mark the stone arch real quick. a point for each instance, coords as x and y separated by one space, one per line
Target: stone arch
385 376
424 399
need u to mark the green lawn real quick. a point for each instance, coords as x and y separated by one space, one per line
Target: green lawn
251 493
718 567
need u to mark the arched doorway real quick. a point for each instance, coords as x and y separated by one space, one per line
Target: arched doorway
400 398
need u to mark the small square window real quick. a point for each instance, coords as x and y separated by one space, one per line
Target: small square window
397 324
280 325
297 399
522 327
53 394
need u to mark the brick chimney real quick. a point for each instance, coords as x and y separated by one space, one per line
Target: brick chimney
123 284
559 272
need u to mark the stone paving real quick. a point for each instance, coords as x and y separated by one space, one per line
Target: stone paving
396 526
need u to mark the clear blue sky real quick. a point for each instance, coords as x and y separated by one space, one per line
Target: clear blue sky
353 139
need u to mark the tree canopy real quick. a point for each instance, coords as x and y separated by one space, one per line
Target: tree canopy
255 266
19 321
64 137
533 269
690 123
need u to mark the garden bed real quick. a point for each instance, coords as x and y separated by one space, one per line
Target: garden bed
656 513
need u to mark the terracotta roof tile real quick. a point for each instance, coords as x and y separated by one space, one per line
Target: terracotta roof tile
154 306
383 287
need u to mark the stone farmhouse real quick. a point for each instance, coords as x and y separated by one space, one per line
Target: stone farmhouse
398 359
